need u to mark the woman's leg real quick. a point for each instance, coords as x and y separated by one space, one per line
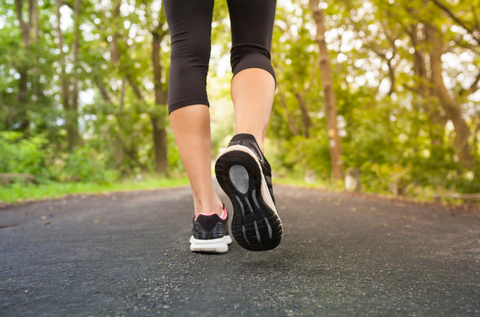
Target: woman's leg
191 126
253 84
252 93
190 28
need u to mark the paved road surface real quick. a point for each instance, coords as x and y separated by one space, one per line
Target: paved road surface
127 255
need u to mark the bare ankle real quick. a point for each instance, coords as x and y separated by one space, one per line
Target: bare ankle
208 206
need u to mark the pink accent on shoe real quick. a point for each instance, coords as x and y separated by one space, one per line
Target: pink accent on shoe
224 214
223 217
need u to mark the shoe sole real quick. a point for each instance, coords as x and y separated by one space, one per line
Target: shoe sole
256 225
211 245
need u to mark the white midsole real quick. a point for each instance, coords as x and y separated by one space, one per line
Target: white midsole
226 239
264 187
219 245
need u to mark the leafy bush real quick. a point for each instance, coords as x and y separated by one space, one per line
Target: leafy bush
21 155
33 156
85 165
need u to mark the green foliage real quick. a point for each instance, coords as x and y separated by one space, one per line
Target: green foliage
84 165
386 132
385 120
20 193
20 155
174 161
314 156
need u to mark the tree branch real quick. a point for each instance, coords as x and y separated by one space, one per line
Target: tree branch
102 89
131 154
412 89
477 23
456 19
460 42
18 9
134 86
24 26
474 86
122 94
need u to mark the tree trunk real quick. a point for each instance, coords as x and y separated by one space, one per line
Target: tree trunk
475 138
35 21
291 125
307 123
391 75
63 78
114 54
158 118
37 90
329 94
74 136
22 96
160 144
449 104
425 91
102 89
122 94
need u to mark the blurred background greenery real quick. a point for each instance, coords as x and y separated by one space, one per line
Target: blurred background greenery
83 86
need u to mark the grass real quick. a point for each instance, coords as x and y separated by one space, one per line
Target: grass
17 193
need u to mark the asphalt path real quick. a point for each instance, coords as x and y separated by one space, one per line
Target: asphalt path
127 254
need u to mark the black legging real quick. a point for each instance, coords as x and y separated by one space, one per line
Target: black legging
190 22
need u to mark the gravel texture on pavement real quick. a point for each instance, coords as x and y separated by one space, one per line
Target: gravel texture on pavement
127 254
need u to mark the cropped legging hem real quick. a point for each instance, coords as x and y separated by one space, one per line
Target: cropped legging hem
250 61
187 102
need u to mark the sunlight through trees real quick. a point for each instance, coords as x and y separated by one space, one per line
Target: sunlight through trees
388 87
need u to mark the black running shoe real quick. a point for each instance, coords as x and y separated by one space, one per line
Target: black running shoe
246 177
210 233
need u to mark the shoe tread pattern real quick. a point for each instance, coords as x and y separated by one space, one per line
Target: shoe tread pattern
255 226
